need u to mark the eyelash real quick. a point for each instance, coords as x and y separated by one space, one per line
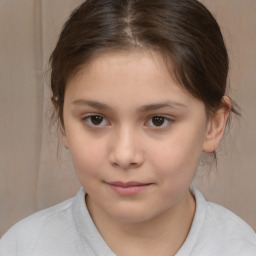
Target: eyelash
166 120
88 120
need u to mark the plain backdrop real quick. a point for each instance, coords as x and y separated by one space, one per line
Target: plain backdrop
31 177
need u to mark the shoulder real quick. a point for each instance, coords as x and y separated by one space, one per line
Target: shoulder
225 231
217 231
224 220
21 236
231 232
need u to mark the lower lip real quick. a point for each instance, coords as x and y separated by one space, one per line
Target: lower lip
129 190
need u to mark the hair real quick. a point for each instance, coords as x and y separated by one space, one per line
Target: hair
184 32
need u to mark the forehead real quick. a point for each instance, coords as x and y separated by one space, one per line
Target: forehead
138 76
116 60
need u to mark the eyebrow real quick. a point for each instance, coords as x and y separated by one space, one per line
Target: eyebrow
156 106
94 104
144 108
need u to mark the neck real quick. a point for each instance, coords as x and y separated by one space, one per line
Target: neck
161 235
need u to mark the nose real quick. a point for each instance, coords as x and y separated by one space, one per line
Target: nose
126 151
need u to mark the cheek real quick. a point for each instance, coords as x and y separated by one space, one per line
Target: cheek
175 165
177 158
87 157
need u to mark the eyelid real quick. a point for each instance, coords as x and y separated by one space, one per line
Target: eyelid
85 119
168 119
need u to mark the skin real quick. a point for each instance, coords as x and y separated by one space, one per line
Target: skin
127 90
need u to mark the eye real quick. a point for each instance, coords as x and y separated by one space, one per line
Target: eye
158 121
96 120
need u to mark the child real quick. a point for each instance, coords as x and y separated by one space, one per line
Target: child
139 91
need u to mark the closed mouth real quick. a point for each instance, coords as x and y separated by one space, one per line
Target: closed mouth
130 188
128 184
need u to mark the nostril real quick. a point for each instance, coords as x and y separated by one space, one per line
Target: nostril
127 163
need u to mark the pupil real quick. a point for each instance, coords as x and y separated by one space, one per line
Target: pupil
96 119
158 120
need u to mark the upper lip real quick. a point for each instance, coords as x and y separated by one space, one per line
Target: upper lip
127 184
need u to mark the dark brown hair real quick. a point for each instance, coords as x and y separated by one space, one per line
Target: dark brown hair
183 31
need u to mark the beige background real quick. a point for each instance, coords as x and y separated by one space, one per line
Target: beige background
31 177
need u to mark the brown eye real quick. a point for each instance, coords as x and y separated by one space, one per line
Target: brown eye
96 120
159 121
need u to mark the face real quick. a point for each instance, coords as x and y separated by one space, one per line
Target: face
135 136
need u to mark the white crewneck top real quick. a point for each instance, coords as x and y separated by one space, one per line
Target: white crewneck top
68 230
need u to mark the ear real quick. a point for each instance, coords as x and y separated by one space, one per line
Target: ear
216 126
55 102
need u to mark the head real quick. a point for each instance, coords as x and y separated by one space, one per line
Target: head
193 50
169 39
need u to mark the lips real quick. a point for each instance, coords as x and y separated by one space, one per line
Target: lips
127 184
128 188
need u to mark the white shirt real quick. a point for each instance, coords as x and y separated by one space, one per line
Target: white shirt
67 229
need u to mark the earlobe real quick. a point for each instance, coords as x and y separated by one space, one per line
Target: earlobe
216 126
55 103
